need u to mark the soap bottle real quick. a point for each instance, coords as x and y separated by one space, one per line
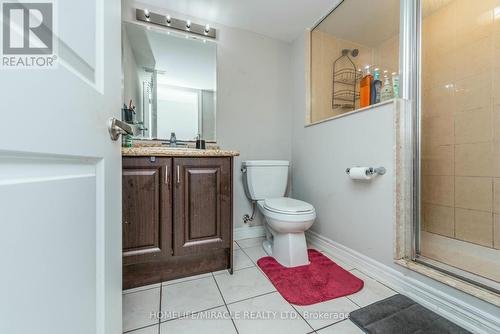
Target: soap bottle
386 93
365 88
395 85
376 87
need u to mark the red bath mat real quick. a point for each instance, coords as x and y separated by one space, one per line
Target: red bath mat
316 282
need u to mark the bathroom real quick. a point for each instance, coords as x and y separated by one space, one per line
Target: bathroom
247 167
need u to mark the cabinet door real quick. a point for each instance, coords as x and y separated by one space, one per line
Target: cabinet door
202 204
146 209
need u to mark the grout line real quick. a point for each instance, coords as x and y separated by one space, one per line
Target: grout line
373 279
160 308
225 304
330 325
139 328
188 314
187 279
359 306
308 324
256 296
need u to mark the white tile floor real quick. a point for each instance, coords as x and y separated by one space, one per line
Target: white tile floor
245 302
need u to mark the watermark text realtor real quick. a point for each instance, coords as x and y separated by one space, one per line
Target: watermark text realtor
28 35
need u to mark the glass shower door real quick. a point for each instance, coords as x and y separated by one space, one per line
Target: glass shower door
460 139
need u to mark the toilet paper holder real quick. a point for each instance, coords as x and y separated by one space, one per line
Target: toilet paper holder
371 171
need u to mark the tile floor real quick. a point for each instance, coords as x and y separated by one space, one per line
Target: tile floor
245 302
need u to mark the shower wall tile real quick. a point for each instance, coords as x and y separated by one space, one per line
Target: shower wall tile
496 158
473 58
474 127
474 226
496 232
496 123
475 20
496 84
474 159
474 193
438 130
439 101
438 190
438 160
439 219
496 195
474 92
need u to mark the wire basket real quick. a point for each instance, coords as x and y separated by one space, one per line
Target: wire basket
345 80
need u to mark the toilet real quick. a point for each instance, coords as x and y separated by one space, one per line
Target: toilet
286 218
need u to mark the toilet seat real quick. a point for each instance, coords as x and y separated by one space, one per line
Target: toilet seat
288 206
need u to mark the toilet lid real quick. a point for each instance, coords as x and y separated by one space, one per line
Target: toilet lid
288 205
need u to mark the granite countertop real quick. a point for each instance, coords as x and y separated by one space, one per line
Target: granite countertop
159 151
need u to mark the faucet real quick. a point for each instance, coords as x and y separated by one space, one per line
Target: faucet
173 139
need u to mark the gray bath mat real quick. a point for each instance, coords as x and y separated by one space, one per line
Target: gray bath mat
401 315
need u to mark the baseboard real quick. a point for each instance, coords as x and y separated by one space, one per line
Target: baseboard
248 232
461 313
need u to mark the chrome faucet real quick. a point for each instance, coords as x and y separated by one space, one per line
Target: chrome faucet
173 139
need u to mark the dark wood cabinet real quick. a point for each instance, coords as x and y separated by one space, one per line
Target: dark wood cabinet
146 209
177 217
202 202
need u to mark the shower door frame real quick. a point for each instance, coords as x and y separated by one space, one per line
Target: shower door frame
410 66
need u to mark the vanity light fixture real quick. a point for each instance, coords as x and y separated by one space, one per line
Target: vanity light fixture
205 31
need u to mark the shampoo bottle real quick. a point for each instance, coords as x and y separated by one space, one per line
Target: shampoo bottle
395 85
386 93
365 89
376 87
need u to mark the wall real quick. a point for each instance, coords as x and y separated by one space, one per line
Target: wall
461 122
358 216
253 99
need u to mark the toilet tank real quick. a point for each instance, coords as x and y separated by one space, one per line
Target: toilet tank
265 178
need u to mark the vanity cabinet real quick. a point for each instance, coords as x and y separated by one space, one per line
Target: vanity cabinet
177 217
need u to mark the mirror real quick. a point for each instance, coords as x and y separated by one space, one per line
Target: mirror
171 80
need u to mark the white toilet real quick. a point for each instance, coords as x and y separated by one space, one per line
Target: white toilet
286 218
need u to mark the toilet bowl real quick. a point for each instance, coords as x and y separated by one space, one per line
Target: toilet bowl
286 219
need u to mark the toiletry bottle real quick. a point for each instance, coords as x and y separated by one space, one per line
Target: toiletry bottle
395 85
365 88
376 87
386 93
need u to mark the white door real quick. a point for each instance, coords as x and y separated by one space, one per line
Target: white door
60 174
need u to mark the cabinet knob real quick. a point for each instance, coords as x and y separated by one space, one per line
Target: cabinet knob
126 222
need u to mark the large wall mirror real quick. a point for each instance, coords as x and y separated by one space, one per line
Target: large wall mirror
349 60
171 80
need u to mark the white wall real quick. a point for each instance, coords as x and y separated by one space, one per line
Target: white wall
253 98
358 216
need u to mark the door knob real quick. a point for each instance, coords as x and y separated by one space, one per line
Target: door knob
117 128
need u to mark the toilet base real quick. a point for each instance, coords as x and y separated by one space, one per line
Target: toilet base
289 249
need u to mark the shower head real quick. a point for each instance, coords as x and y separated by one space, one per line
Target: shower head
353 52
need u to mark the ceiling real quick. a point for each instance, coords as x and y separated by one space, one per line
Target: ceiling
364 22
279 19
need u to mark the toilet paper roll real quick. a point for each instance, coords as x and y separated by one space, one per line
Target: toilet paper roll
360 173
